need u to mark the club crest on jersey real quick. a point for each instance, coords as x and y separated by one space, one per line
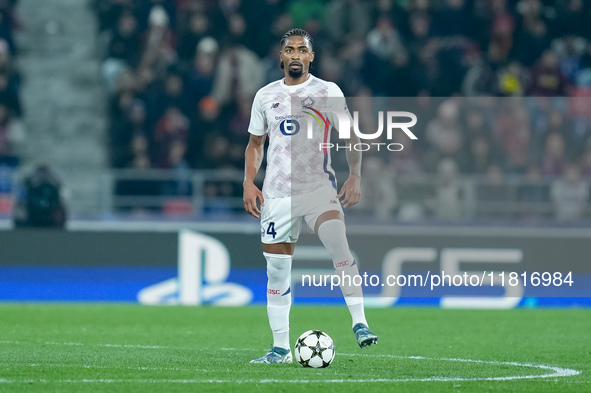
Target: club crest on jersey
308 102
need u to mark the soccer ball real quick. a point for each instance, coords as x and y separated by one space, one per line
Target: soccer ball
314 349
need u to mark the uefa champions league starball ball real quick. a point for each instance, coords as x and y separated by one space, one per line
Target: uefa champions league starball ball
314 349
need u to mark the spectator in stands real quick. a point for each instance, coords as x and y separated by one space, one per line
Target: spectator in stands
271 71
126 43
12 134
384 40
6 27
39 202
450 192
546 77
302 11
7 66
175 160
531 42
352 80
451 19
570 195
479 157
125 130
10 96
172 127
572 19
480 78
123 50
217 153
533 195
569 50
559 124
265 35
198 29
140 186
207 120
512 80
239 74
200 78
444 136
387 58
159 40
5 135
405 162
554 160
146 9
139 152
109 11
586 164
474 124
347 17
379 190
495 197
511 134
170 92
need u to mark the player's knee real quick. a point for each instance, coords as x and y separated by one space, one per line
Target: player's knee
333 235
275 273
278 268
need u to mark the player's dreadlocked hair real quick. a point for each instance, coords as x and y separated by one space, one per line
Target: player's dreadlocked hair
296 32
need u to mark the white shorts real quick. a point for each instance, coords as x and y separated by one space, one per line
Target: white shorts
281 218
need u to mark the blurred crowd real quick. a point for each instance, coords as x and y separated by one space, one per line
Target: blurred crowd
488 157
181 76
12 132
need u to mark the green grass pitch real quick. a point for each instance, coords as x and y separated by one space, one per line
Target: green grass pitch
132 348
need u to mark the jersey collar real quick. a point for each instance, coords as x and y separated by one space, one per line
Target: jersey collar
298 86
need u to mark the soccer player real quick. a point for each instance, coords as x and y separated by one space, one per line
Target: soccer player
300 184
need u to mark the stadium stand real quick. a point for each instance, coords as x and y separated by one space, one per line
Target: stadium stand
12 134
181 76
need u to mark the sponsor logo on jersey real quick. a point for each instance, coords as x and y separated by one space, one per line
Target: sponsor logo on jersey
275 105
289 127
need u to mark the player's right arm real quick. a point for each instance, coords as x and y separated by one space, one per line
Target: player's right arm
253 160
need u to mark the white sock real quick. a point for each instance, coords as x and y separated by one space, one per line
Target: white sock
332 234
279 297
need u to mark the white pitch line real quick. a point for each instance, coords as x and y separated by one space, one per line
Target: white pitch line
557 372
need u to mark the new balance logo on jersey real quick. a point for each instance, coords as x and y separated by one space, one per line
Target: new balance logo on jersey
275 105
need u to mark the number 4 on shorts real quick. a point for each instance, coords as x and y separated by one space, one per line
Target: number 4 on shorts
271 229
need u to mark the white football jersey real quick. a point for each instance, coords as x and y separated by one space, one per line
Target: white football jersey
297 163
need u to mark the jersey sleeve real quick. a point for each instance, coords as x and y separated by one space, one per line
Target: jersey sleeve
336 100
258 122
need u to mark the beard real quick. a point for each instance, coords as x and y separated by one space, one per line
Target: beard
295 73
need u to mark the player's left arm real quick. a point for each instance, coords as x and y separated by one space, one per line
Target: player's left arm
350 193
351 190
